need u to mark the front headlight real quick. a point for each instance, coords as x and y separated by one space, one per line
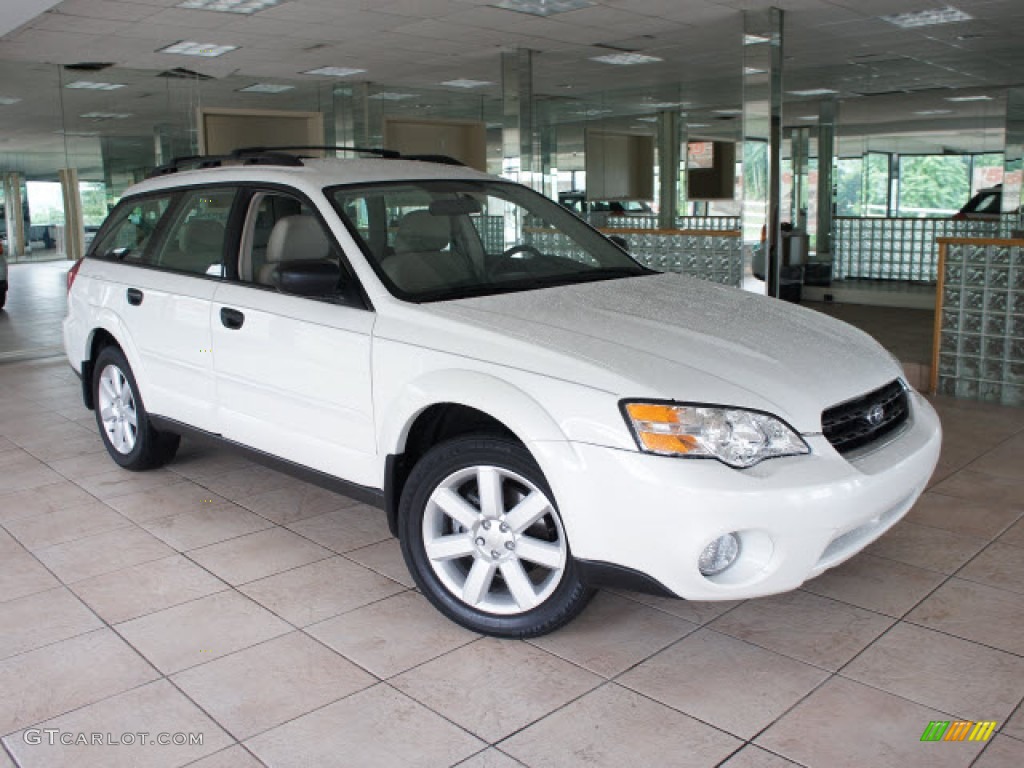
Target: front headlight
734 436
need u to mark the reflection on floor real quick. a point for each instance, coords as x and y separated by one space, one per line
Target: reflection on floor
277 620
30 323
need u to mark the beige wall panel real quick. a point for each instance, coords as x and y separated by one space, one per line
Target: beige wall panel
223 130
465 141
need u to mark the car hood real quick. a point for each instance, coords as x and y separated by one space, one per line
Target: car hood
685 339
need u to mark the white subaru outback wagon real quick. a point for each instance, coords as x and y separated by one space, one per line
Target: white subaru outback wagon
537 413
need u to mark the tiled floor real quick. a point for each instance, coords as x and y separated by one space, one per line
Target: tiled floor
219 598
30 323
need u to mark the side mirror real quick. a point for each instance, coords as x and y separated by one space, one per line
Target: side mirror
308 278
620 241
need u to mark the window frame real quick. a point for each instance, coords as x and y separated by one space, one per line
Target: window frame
161 237
248 191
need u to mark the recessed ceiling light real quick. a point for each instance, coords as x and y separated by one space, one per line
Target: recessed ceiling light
106 115
647 119
755 39
91 86
979 97
728 111
229 6
333 71
664 104
928 18
696 125
625 59
391 96
5 100
266 88
591 112
934 112
542 7
464 83
807 117
190 48
754 71
813 92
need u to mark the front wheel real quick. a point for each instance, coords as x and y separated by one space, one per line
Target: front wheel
484 540
124 424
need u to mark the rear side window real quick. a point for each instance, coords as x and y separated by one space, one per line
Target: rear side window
133 227
195 239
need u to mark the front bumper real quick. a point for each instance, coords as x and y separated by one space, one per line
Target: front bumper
795 517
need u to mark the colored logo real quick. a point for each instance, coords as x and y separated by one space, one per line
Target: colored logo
875 415
958 730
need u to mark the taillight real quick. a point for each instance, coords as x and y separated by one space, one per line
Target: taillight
73 273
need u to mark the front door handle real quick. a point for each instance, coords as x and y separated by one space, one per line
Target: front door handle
231 319
134 296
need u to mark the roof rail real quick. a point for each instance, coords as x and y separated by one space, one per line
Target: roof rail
239 157
282 156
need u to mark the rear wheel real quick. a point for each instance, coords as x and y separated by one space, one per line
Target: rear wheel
124 425
484 540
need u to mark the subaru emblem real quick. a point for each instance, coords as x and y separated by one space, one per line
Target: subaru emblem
875 415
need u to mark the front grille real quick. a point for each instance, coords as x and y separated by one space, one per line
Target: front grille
860 422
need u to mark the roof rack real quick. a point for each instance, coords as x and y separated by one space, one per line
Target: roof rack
282 156
238 157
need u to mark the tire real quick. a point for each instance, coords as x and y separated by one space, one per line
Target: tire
489 569
130 439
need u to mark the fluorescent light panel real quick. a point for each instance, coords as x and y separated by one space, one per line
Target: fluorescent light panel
465 83
728 111
334 71
813 92
246 7
190 48
266 88
934 112
969 98
625 59
106 115
5 100
88 85
929 18
542 7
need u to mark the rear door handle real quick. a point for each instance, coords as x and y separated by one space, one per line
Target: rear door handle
134 296
231 318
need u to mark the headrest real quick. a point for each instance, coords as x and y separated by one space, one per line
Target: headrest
422 231
297 238
203 235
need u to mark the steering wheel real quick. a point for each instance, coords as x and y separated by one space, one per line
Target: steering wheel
520 248
506 265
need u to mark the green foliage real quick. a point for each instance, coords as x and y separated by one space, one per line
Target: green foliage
937 183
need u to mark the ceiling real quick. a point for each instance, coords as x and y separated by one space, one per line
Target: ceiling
415 45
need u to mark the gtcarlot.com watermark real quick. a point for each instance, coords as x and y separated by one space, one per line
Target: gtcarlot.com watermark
55 736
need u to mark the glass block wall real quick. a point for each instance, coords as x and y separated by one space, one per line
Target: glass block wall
897 249
710 256
715 223
980 324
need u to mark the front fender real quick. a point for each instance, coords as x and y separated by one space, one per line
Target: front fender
513 407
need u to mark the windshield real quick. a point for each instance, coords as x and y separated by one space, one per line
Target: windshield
438 240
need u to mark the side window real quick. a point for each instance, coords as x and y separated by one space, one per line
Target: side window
195 240
285 246
132 229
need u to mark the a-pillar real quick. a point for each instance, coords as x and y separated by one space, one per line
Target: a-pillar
762 134
520 137
670 142
74 232
13 207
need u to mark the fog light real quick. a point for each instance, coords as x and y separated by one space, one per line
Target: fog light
719 554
